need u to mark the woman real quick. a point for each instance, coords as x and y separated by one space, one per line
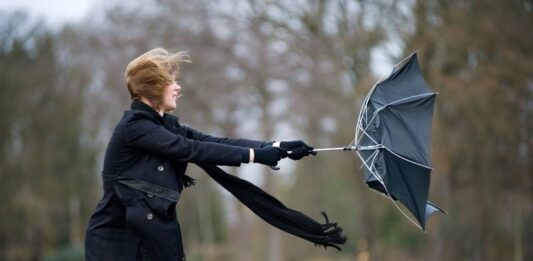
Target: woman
145 163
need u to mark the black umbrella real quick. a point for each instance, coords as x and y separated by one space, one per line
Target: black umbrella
392 138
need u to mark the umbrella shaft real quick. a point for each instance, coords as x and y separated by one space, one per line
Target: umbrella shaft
350 148
329 149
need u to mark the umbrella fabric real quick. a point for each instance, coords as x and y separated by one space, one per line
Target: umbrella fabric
395 123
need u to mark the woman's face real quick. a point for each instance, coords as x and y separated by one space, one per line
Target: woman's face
170 95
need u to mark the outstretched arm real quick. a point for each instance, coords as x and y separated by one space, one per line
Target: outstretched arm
144 134
197 135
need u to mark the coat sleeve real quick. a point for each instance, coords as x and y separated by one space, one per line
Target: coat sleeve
146 135
197 135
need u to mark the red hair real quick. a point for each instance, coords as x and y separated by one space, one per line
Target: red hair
148 75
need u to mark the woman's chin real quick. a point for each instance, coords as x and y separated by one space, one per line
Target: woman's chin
171 108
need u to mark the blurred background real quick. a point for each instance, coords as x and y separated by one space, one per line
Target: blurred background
272 70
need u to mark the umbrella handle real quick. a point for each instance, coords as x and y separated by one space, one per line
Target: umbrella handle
345 148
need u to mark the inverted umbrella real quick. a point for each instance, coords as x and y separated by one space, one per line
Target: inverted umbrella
392 139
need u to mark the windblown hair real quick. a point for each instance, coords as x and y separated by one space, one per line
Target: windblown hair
148 75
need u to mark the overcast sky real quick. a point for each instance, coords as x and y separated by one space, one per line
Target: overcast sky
55 12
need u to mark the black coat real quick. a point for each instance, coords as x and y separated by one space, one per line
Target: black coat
143 175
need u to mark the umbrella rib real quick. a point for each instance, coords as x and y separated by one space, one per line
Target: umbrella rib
359 124
367 98
360 127
394 153
411 194
364 130
370 169
380 178
368 135
403 99
406 159
400 209
388 193
371 155
363 110
373 166
361 131
392 103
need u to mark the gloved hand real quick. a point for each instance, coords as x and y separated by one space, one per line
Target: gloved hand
269 155
298 149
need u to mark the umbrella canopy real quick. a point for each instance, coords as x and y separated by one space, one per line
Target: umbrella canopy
393 139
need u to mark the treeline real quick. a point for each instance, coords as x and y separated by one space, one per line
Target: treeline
276 70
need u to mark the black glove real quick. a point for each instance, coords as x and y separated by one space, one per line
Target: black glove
298 149
269 155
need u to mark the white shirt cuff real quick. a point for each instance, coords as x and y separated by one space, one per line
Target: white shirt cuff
252 156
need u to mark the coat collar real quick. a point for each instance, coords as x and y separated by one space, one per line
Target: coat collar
166 118
141 106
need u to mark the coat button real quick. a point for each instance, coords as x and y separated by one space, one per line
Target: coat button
160 168
149 216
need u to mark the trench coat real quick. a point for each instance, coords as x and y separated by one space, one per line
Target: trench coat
143 177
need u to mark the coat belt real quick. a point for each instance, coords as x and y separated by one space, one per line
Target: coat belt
144 186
